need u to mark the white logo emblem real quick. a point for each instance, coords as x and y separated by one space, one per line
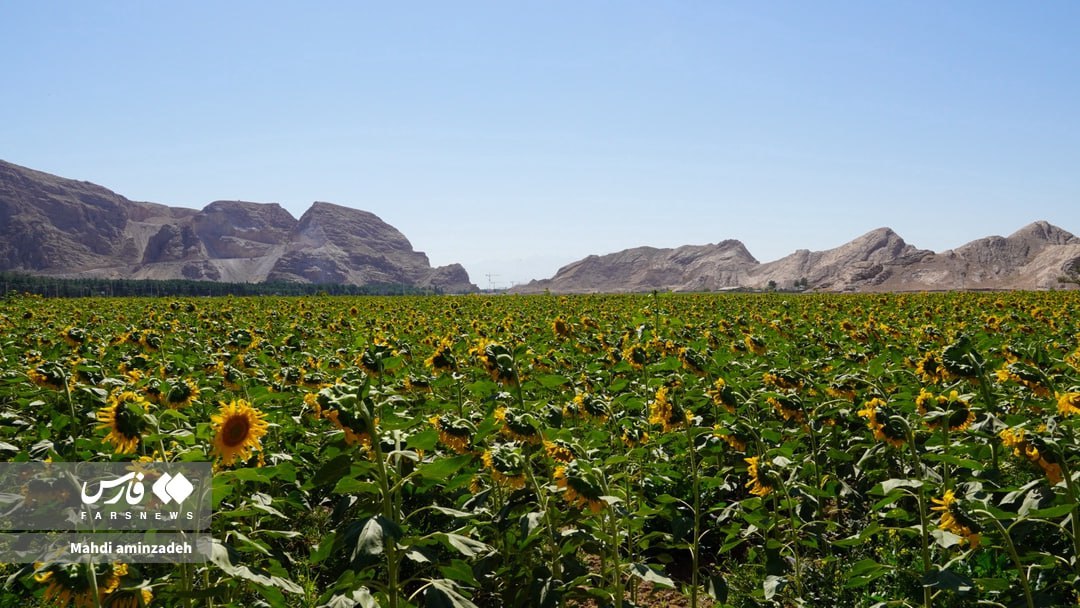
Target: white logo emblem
169 488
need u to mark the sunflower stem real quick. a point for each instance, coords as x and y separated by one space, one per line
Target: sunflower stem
946 441
924 521
95 593
388 511
794 536
1074 516
1011 548
185 572
75 424
548 523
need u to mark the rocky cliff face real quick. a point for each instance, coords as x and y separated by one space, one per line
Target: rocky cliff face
1034 257
690 268
55 226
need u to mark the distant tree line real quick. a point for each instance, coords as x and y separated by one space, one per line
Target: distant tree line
12 283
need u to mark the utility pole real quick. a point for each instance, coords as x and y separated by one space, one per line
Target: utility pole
491 281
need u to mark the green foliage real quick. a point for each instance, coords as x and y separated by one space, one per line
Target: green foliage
731 450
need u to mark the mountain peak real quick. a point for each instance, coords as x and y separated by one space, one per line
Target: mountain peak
56 226
879 260
1044 231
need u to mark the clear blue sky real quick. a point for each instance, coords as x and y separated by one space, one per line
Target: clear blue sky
515 137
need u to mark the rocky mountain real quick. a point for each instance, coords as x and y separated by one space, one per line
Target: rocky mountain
1033 257
54 226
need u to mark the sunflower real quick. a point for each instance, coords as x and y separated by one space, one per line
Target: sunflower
781 380
560 327
416 384
517 426
69 584
692 361
930 369
507 466
317 403
755 344
49 375
634 435
454 433
579 489
635 355
954 409
924 398
722 395
181 394
74 336
954 520
355 427
373 360
1025 375
788 407
497 360
1027 448
230 376
667 413
844 387
759 483
150 340
591 406
559 450
729 437
237 429
123 417
1068 403
888 430
134 597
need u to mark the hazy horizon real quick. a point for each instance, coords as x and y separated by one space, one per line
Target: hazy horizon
516 138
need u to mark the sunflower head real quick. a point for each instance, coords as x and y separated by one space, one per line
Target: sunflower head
843 387
454 433
759 472
238 429
886 427
507 465
592 406
580 486
49 375
723 395
69 584
635 355
1068 404
782 379
634 433
181 393
952 409
789 407
559 450
755 344
930 368
518 426
442 360
124 418
667 412
74 336
692 360
735 440
955 519
131 597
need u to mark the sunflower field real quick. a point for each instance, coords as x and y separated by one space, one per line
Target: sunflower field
589 451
